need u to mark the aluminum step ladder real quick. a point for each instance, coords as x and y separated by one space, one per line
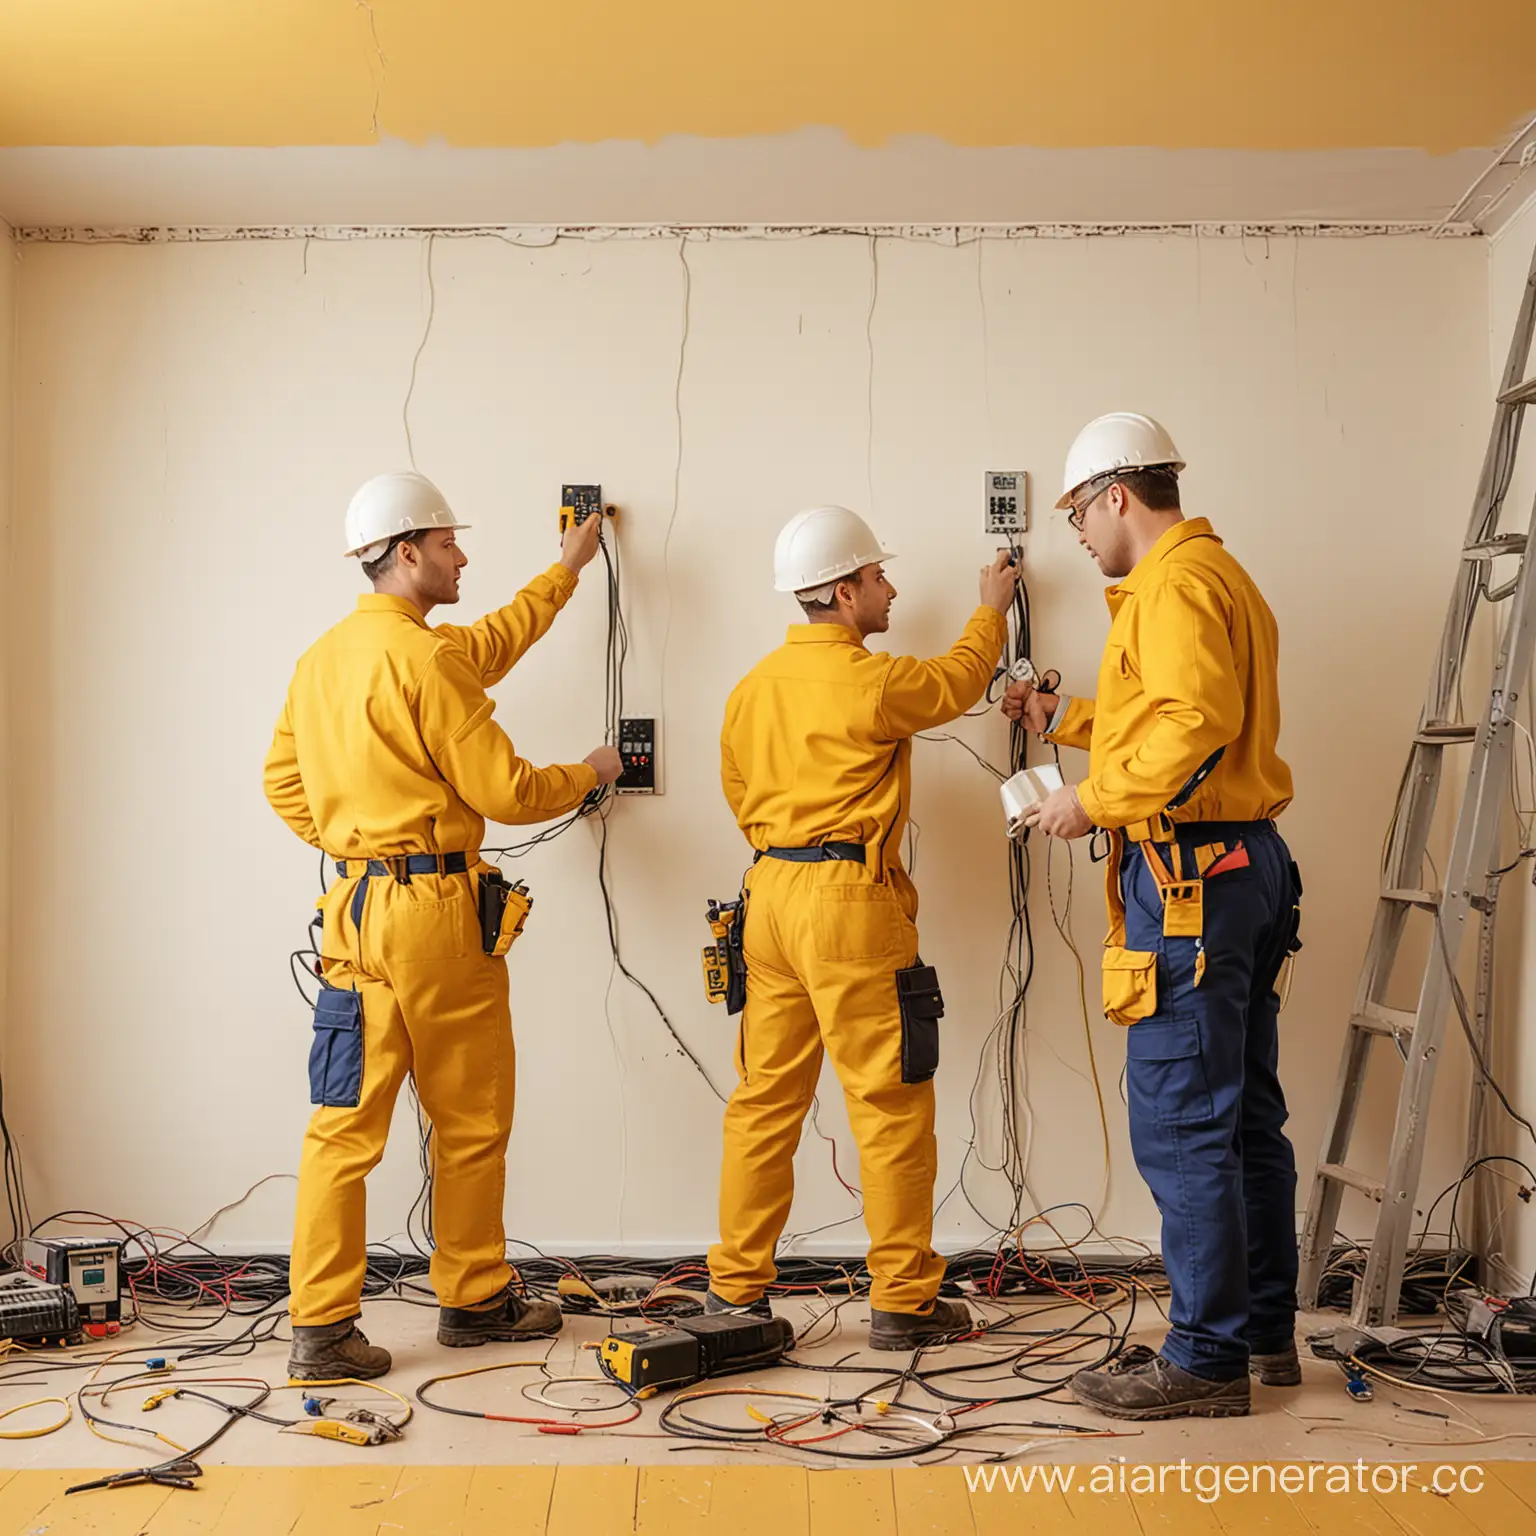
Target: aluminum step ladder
1468 885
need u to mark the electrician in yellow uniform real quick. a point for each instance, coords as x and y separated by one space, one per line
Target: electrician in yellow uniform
1183 770
816 765
386 756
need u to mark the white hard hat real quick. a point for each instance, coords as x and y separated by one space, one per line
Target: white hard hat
1120 440
402 502
822 545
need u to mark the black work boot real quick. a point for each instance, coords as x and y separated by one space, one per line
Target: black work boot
335 1352
505 1318
943 1321
1140 1384
714 1305
1282 1368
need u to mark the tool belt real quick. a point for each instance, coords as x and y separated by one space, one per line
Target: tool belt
403 865
818 853
1130 975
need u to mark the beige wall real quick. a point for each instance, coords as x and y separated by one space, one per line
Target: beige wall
1513 1224
196 415
7 411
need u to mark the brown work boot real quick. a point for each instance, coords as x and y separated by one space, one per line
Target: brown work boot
1140 1384
335 1352
505 1318
1282 1368
944 1321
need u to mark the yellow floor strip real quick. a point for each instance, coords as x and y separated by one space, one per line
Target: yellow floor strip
1261 1514
375 1499
673 1501
219 1490
1425 1513
118 1512
1103 1514
1175 1513
932 1501
509 1501
760 1501
860 1500
1496 1510
1353 1512
344 1501
594 1501
28 1494
1042 1511
1519 1477
428 1501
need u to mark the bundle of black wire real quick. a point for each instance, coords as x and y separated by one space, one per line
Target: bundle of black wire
1427 1275
1435 1359
1006 1043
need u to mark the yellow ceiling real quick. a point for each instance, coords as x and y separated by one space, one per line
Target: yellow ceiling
1437 75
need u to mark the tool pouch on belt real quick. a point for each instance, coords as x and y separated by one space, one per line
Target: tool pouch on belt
336 1052
725 961
1129 975
503 911
922 1006
1130 984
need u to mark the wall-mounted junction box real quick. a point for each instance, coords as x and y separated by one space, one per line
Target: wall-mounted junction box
637 749
1007 501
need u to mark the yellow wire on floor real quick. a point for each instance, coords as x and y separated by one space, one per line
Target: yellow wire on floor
90 1423
46 1429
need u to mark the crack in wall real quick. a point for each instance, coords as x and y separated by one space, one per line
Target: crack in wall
378 77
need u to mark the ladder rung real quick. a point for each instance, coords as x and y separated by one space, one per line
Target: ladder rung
1426 899
1444 735
1381 1020
1491 549
1521 394
1342 1175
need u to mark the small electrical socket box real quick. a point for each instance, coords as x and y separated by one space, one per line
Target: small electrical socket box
579 502
1007 501
637 751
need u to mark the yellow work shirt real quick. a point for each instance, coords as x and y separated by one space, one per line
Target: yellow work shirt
387 744
1190 666
817 740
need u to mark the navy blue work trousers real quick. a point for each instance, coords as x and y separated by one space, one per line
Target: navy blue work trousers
1207 1114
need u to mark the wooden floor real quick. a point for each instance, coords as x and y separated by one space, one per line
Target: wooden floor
745 1501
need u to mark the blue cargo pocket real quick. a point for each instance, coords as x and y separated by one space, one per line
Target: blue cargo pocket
336 1052
1167 1069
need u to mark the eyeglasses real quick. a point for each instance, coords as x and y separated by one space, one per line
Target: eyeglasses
1094 490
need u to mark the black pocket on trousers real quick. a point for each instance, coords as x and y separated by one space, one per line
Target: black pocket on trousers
336 1052
922 1006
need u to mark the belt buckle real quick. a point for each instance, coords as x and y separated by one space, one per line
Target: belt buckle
398 865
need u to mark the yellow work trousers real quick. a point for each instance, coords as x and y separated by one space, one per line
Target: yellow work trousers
435 1005
823 943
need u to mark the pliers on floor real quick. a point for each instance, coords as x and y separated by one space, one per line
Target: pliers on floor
169 1474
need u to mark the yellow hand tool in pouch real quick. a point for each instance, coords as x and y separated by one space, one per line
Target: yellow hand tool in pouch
504 909
725 964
